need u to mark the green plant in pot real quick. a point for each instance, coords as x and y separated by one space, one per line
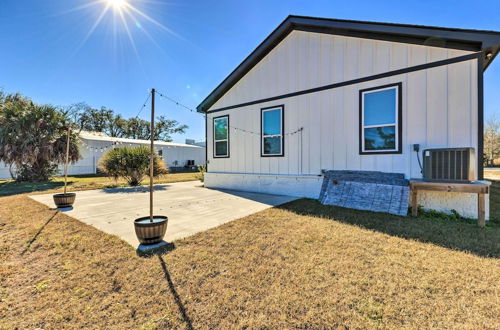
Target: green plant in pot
151 229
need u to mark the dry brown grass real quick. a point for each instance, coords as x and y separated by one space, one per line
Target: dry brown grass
83 182
492 175
273 269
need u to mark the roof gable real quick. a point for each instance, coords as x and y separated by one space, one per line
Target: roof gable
472 40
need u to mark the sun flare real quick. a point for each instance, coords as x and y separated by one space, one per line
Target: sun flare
117 4
123 17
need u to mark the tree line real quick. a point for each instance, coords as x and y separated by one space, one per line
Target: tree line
492 141
106 121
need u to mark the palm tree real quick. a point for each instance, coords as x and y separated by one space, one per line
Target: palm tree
33 139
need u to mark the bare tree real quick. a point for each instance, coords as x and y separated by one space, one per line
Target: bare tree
491 140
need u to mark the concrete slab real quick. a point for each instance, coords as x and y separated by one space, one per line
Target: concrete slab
190 208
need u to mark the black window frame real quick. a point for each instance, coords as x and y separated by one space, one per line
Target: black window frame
398 124
262 110
228 135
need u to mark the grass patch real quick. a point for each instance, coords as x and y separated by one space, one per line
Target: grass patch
303 265
82 182
433 227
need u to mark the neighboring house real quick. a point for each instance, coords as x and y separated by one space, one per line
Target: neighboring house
194 143
326 94
94 145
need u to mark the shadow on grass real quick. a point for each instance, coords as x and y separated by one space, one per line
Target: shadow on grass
495 201
147 251
463 235
14 188
177 298
31 241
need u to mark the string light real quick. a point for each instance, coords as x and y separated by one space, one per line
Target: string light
235 128
100 148
177 103
259 133
143 105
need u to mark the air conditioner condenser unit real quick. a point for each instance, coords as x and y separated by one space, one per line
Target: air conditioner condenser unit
449 164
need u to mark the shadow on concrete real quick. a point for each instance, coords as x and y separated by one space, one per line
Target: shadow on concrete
460 234
146 251
31 241
269 199
138 189
177 298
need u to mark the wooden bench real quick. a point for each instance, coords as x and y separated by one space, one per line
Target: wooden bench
477 187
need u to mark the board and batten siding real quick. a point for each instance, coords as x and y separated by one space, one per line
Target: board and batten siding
439 105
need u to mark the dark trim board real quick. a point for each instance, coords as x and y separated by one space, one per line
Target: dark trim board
282 106
472 40
357 81
206 143
480 118
228 137
399 85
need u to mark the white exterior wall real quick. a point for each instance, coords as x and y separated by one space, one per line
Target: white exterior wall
4 171
289 185
439 106
171 155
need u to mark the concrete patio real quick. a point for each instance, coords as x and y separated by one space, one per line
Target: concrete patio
190 208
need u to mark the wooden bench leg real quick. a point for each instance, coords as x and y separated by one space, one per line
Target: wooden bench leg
414 203
481 210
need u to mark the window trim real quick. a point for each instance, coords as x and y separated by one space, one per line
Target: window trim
227 138
281 107
398 124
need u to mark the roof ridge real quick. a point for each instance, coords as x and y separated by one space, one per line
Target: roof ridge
421 26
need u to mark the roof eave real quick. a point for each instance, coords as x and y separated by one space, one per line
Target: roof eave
473 40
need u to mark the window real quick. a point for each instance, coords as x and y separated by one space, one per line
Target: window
380 120
221 136
272 131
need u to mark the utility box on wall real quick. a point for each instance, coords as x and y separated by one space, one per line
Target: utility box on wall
449 164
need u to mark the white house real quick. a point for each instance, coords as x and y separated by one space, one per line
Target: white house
326 94
92 147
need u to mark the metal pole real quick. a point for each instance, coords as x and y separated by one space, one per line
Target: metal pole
151 156
67 159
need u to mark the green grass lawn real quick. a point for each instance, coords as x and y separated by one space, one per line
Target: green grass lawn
81 182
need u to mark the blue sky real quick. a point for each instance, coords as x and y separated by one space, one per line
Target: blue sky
197 45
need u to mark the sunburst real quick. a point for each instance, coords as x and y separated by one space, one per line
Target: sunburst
117 4
126 14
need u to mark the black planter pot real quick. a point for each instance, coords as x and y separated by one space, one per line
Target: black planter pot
64 200
151 232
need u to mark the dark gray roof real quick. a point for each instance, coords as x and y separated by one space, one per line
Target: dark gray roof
464 39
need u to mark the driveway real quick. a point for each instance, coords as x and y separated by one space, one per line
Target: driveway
189 207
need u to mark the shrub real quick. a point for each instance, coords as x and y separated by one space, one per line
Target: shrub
131 163
201 172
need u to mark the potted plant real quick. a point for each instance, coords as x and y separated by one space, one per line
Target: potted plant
151 229
65 199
